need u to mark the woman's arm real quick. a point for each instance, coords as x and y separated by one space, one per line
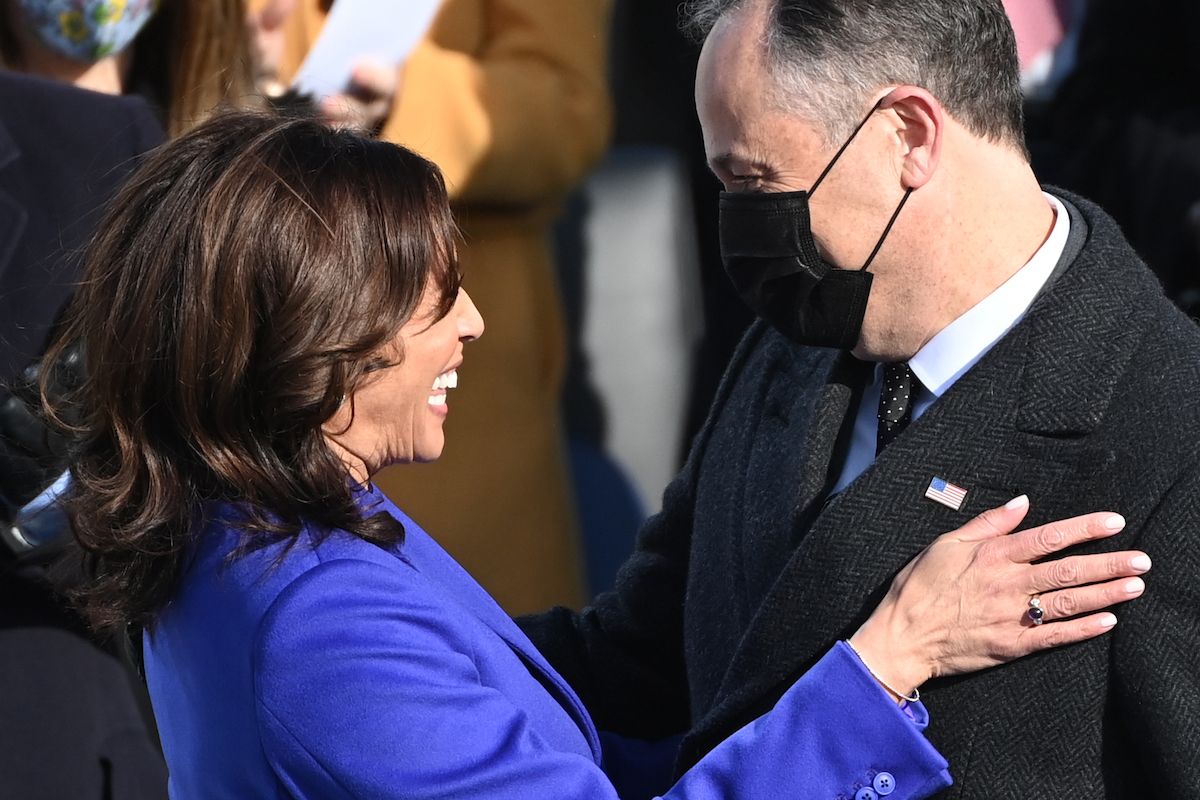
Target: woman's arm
367 688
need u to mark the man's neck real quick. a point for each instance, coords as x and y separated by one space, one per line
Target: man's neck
984 224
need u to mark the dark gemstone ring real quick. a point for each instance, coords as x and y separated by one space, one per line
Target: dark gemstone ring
1035 612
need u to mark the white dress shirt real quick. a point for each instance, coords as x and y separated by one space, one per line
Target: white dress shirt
958 346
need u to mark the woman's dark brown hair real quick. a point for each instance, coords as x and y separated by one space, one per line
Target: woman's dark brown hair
240 286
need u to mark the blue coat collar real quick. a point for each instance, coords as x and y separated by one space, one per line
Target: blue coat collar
478 602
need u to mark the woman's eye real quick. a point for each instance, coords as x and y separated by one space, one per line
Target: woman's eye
376 364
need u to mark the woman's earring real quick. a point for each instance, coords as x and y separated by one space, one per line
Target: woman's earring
341 400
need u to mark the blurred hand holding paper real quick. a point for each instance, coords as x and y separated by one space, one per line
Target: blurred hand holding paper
384 31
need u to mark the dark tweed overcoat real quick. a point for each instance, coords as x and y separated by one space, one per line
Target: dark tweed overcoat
1092 402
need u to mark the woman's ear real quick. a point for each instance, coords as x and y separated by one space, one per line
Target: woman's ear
920 124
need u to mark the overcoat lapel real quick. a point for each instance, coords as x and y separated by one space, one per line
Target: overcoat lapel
1016 423
13 217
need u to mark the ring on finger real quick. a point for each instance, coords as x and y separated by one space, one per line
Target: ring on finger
1035 612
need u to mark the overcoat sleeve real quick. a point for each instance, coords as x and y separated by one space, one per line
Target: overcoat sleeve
624 654
366 689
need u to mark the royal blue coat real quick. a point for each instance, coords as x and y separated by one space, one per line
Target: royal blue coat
343 669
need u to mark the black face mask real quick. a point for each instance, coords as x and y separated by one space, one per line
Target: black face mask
770 254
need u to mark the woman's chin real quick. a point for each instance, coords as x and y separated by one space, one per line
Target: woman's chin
430 450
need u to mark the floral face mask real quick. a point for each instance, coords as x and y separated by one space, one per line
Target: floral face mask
86 30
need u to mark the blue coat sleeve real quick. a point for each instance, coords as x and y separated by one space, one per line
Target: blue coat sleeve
363 691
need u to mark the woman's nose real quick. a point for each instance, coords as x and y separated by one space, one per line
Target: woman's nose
470 322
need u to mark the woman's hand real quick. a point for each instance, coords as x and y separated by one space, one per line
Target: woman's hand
961 605
368 103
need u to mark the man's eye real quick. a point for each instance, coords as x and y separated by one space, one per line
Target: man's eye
746 183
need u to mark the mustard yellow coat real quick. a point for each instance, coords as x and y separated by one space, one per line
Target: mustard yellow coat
508 97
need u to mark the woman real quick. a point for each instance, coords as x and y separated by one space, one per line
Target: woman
186 57
271 315
509 99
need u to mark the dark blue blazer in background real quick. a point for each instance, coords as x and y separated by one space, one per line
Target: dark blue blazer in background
69 719
63 153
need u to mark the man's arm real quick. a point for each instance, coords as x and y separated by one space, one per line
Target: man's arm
624 655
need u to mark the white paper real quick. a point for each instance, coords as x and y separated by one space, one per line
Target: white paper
385 31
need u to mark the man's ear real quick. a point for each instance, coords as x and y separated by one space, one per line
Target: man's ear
920 125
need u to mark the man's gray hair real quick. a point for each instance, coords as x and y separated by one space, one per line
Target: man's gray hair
829 56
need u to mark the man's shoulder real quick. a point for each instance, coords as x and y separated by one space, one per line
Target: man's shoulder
765 352
1122 286
1105 327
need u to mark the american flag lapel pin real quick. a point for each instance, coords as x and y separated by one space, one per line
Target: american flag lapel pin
946 493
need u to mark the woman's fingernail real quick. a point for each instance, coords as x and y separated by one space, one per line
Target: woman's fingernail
1135 586
1141 563
1114 522
1107 621
1017 502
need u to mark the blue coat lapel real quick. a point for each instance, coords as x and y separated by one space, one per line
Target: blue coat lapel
475 600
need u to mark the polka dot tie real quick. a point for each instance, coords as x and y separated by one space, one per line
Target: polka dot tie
895 402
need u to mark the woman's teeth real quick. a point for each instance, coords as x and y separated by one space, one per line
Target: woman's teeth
447 380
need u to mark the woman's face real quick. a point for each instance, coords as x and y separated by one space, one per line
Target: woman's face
396 414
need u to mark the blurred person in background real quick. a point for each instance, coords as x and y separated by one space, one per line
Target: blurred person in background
508 98
185 57
70 719
1123 128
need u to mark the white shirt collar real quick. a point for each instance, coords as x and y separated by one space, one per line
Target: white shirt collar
958 346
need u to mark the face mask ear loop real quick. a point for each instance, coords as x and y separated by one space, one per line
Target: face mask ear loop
888 229
838 154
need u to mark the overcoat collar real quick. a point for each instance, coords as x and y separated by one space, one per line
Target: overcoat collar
1018 420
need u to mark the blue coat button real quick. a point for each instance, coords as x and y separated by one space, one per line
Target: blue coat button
866 793
884 784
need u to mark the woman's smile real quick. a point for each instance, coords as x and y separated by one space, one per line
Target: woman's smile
447 380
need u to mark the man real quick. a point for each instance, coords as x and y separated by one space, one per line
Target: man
1026 350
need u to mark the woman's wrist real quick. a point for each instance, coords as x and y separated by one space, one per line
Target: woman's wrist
900 673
